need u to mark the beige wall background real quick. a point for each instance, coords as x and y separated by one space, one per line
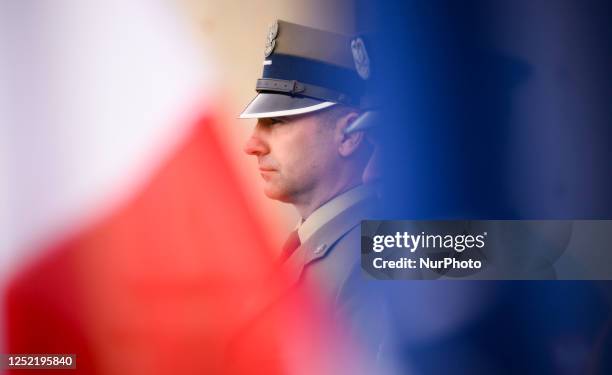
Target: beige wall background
235 30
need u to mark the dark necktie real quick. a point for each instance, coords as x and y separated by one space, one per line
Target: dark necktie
291 244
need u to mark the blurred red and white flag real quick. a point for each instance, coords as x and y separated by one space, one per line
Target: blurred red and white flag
94 97
124 236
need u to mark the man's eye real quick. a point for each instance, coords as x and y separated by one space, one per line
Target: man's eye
276 121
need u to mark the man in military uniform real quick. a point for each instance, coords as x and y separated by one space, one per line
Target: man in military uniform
311 94
312 152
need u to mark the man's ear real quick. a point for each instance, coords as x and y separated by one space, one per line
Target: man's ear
349 143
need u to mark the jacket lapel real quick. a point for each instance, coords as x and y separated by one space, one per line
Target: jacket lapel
316 247
323 240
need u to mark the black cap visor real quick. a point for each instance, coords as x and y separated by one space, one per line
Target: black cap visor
267 104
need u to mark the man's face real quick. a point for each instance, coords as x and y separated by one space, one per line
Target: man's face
295 154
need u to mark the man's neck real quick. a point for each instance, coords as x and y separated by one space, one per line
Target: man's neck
306 208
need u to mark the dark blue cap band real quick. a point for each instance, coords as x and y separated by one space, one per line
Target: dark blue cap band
314 72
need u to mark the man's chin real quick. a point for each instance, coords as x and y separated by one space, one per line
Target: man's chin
276 194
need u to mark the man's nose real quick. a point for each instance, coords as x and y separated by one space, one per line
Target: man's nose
256 145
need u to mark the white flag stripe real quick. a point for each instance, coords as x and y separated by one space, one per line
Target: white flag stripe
98 93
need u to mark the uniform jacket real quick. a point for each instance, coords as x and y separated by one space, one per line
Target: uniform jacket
327 267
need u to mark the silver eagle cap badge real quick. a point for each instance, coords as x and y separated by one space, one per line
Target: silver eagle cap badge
360 57
271 39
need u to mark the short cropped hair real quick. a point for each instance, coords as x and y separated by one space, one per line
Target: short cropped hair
330 115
